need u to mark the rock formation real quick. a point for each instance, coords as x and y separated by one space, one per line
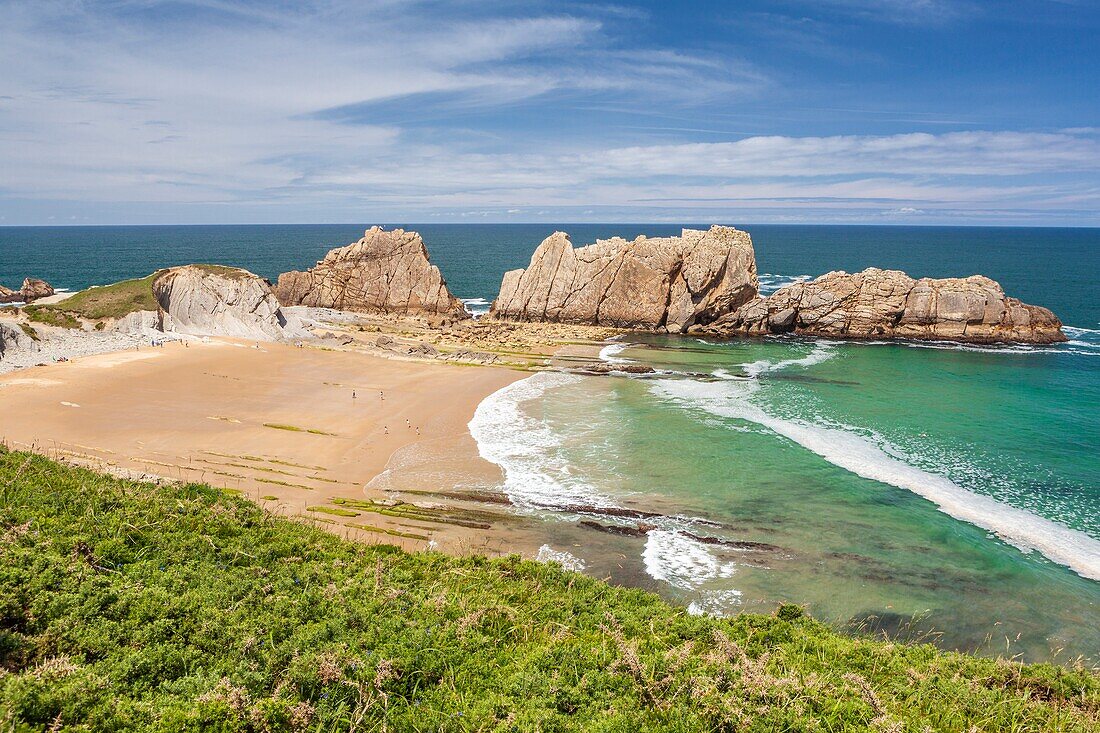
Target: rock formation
210 300
13 338
383 272
668 283
32 290
890 304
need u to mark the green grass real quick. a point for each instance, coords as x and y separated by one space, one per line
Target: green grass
128 606
48 315
108 301
231 273
29 330
335 511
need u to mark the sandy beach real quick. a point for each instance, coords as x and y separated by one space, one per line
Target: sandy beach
303 431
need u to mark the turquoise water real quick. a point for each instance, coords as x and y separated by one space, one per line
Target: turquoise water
912 488
915 489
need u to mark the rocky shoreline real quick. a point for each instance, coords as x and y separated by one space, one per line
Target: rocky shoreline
700 283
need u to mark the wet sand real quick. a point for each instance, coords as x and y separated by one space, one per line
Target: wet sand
278 423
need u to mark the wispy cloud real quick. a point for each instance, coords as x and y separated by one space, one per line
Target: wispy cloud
426 107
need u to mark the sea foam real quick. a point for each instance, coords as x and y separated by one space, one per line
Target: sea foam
537 477
528 451
868 459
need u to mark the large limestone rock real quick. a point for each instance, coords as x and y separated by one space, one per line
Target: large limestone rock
668 283
383 272
890 304
210 300
13 338
32 290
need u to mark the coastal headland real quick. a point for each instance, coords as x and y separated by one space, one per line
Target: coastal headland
337 394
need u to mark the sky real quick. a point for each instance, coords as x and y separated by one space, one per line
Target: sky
328 111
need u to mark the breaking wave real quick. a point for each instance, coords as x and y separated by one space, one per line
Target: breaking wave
877 461
538 477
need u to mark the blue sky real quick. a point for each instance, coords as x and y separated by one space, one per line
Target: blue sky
834 111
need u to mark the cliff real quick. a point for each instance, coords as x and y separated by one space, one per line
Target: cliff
669 283
210 300
383 272
889 304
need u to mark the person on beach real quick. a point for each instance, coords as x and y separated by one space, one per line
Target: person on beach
353 394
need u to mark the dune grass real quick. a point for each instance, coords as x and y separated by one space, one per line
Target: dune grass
107 301
129 606
50 316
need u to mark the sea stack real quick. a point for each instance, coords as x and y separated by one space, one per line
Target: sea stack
211 300
33 289
385 271
889 304
660 283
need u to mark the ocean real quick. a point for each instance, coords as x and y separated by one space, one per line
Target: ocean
922 490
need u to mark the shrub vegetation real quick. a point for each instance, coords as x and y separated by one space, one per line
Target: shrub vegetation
129 606
107 301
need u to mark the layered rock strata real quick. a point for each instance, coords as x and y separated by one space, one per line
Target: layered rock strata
889 304
385 271
208 300
13 338
661 283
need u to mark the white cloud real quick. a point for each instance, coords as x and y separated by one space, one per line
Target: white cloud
112 104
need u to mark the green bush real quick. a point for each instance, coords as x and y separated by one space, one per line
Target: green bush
128 606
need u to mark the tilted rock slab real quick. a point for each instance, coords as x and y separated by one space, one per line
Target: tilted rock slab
383 272
889 304
668 283
210 300
13 339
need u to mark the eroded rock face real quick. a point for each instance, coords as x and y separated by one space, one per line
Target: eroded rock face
209 300
668 283
12 338
32 290
384 271
889 304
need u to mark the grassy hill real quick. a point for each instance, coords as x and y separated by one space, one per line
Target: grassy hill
127 606
98 303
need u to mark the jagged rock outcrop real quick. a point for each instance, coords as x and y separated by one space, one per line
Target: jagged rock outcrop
383 272
32 290
140 322
210 300
668 283
889 304
13 338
